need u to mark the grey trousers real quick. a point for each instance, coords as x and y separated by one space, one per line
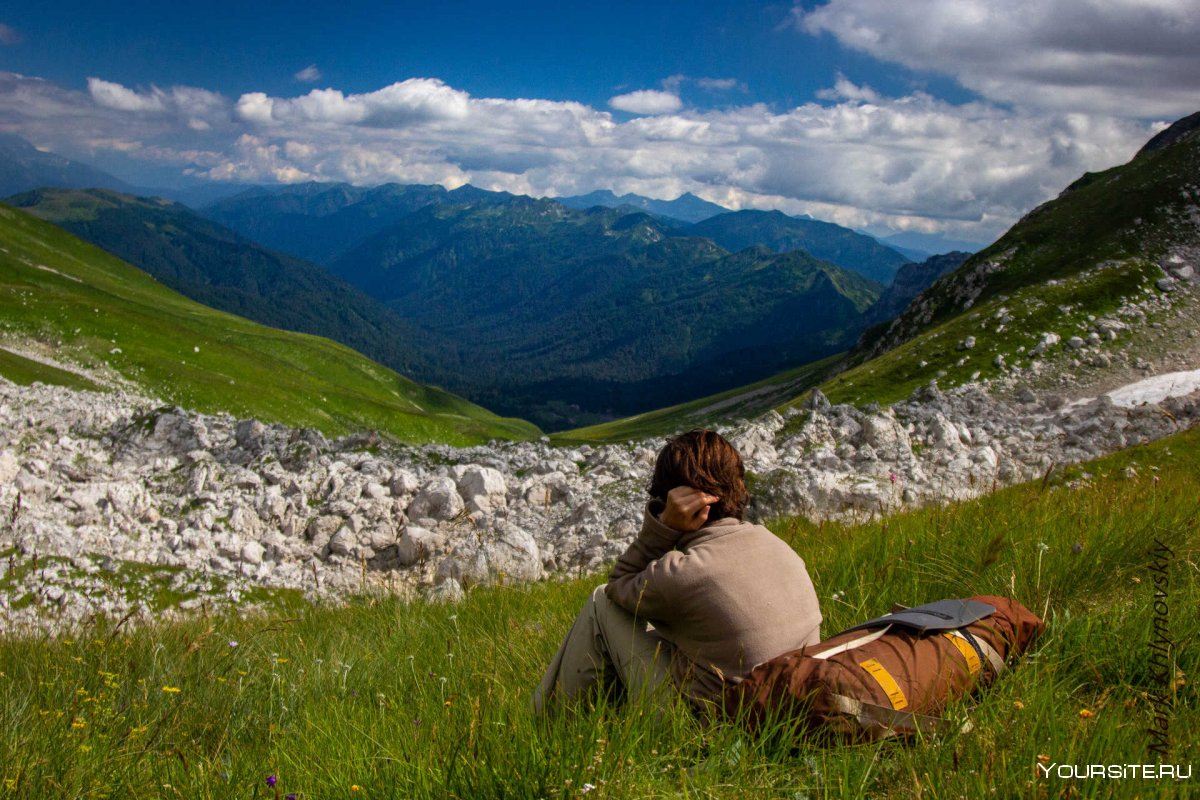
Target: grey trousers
607 642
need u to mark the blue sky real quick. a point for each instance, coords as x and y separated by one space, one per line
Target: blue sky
946 116
557 51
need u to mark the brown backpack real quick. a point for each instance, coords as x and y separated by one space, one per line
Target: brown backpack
892 675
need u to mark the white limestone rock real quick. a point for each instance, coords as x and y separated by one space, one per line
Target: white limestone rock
507 553
483 489
438 500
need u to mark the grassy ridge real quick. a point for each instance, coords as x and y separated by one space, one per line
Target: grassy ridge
1095 244
432 701
934 353
743 402
25 371
98 311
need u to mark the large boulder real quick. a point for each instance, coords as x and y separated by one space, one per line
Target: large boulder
507 553
833 495
438 500
483 489
416 544
943 433
887 436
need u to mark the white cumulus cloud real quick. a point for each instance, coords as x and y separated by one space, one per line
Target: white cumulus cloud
198 107
647 101
857 156
309 74
120 98
1138 58
399 103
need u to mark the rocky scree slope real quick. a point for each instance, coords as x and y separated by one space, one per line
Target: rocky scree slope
114 504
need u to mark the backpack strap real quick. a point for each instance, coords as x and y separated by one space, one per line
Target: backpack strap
853 643
868 714
982 648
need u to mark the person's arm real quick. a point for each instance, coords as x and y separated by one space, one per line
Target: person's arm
638 582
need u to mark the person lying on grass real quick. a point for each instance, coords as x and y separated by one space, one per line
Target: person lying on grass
696 601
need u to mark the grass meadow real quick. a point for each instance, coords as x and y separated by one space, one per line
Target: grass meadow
67 297
384 699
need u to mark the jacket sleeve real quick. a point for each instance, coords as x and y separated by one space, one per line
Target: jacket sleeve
640 580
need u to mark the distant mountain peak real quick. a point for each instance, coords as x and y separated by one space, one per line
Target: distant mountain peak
737 230
24 167
687 207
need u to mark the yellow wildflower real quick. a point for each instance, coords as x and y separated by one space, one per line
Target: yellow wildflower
1086 713
171 689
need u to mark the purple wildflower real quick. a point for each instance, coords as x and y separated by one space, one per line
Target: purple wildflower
271 780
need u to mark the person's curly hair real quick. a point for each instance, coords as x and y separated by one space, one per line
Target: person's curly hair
704 460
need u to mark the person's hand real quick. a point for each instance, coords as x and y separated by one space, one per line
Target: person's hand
687 509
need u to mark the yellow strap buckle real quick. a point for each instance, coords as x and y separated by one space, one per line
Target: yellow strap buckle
886 682
968 652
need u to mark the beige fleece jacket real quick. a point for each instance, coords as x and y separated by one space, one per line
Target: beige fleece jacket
728 597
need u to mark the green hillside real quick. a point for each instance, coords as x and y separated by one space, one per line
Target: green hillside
70 298
218 268
1073 259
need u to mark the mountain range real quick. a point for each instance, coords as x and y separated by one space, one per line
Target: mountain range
320 221
781 233
687 207
602 309
525 306
576 314
531 307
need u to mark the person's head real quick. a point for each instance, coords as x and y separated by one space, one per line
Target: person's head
703 460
